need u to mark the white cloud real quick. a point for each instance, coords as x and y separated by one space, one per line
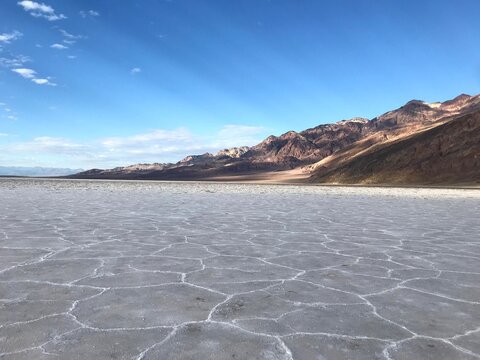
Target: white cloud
40 10
238 135
26 73
175 144
43 82
31 74
59 46
7 38
40 81
48 144
34 6
92 13
159 145
68 35
71 57
3 134
14 61
9 116
135 70
70 38
154 137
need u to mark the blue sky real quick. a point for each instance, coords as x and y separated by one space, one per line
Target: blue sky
105 83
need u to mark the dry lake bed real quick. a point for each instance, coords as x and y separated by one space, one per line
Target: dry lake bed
151 270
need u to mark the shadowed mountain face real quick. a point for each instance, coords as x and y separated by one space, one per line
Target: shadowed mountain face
415 144
445 154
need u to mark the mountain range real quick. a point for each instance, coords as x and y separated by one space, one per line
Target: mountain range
35 171
419 143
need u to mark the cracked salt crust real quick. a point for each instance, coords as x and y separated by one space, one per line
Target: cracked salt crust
99 270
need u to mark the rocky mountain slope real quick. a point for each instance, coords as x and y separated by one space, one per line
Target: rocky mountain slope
340 152
448 153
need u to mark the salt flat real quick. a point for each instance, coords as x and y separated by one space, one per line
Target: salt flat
152 270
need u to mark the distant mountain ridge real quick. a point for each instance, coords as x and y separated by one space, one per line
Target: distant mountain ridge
325 152
36 171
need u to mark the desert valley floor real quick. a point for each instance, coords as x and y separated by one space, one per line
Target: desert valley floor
152 270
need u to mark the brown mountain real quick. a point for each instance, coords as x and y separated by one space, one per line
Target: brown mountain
448 153
409 146
416 143
293 149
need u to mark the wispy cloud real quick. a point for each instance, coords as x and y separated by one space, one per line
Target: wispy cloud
70 38
26 73
40 10
7 38
48 144
68 35
180 135
7 113
159 145
89 13
58 46
135 70
239 135
14 61
32 75
42 82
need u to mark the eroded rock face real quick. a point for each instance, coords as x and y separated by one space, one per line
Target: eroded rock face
448 153
125 270
233 153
